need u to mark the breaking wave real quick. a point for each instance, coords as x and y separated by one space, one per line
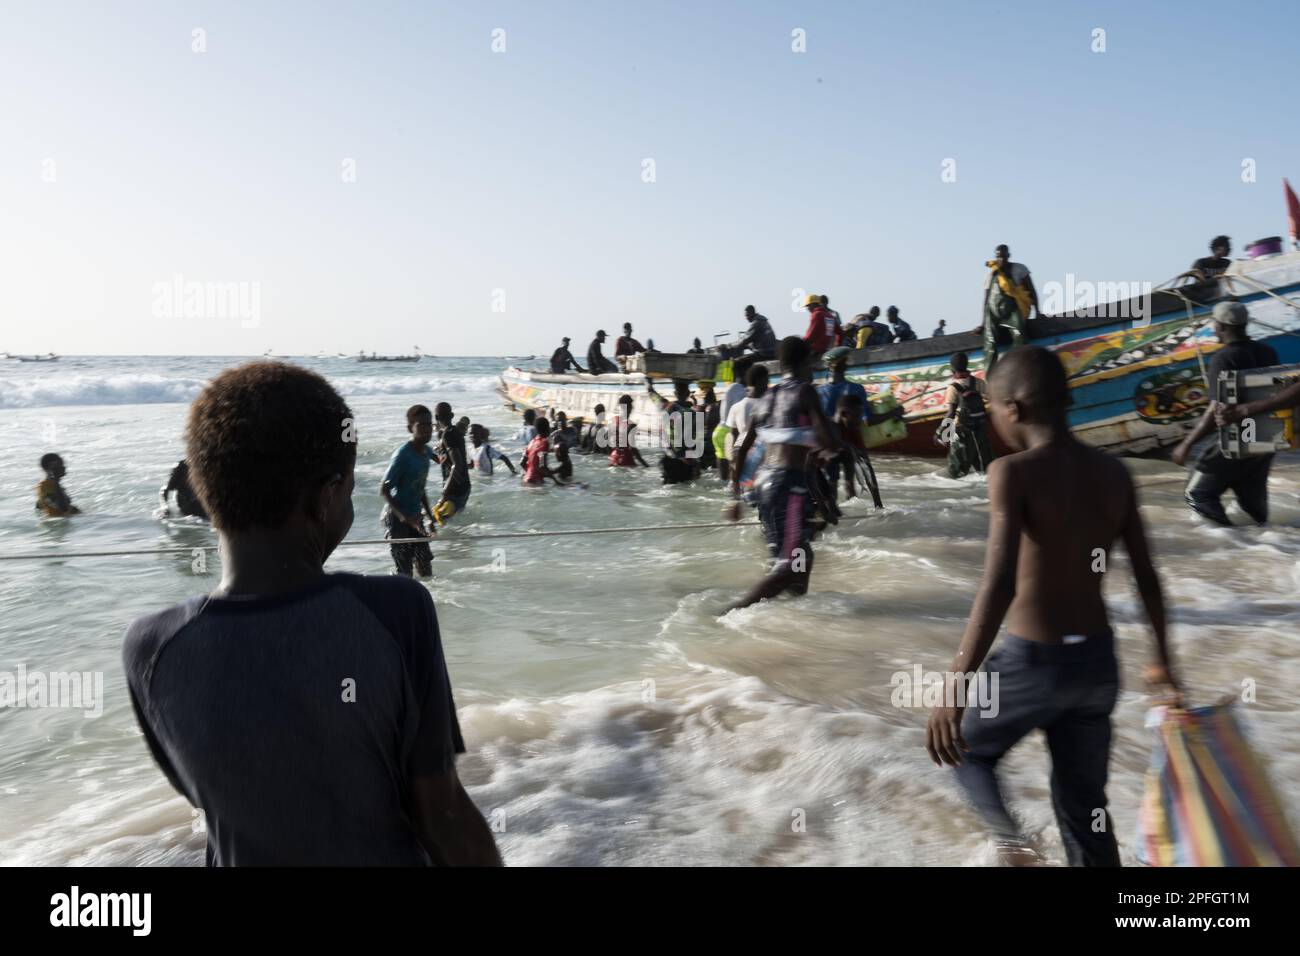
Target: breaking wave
148 389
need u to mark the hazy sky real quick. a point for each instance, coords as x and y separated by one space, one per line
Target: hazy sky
500 198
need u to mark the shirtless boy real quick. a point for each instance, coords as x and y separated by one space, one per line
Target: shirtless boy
1056 508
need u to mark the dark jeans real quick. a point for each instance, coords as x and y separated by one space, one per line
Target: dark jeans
1247 478
1068 691
786 511
407 556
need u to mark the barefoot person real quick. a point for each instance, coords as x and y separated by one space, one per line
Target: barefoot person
308 715
1056 508
792 426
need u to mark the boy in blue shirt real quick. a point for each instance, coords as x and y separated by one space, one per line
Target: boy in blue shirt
403 491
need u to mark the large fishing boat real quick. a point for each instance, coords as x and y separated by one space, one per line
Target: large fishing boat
1136 365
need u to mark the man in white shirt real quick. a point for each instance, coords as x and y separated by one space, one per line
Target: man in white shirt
736 390
740 416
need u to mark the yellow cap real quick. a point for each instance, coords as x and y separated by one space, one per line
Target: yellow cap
812 300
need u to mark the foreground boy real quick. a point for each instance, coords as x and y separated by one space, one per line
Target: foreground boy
51 500
1056 507
403 491
308 715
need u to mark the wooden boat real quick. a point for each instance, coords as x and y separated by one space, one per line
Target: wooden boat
1137 383
37 358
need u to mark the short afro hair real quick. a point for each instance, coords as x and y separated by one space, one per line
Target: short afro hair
1033 376
48 460
263 436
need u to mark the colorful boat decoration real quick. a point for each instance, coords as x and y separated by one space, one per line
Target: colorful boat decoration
1137 384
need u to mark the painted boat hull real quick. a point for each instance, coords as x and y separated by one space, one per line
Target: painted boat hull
1136 384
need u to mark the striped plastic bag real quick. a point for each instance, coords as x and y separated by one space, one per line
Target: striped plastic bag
1208 801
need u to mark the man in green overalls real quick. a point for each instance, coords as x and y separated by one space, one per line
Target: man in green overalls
965 427
1009 294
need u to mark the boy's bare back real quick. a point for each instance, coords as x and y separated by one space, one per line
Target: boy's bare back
1066 504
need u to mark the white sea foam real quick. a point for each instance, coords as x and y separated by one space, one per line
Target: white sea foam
148 389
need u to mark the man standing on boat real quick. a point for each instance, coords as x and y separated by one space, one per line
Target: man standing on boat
941 330
1009 294
835 317
822 327
1214 474
760 337
562 359
597 364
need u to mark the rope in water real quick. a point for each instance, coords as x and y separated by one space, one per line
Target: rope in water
567 532
491 536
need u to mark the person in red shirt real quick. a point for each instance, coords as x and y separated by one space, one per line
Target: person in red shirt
624 453
536 469
626 345
821 326
835 317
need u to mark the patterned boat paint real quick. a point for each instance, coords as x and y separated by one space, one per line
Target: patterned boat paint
1135 388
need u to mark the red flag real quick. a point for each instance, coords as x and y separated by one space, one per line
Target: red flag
1292 210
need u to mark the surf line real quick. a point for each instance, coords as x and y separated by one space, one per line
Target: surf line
565 532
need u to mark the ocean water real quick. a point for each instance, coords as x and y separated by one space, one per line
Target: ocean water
612 715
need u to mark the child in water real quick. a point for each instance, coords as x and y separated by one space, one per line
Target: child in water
1056 508
623 451
485 454
51 500
536 469
403 491
563 439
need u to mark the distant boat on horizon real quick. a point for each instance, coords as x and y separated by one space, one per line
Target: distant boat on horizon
372 357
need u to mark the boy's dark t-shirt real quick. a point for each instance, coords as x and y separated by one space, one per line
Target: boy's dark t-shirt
452 439
298 722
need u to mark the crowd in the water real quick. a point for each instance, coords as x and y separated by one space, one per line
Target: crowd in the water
376 780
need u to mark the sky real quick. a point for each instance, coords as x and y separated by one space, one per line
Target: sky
481 179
